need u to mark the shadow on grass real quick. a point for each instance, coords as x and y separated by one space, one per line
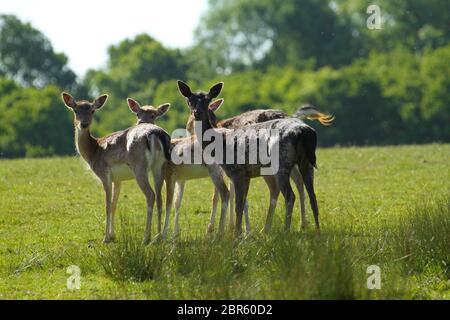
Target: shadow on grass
296 265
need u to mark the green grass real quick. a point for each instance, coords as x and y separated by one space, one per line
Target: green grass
385 206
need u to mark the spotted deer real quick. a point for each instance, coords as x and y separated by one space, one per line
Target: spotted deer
123 155
176 175
296 142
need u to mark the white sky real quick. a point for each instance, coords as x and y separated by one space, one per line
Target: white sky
84 29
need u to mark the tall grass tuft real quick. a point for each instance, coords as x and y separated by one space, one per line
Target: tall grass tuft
130 259
422 238
306 266
294 265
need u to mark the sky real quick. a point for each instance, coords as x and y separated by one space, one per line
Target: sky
84 29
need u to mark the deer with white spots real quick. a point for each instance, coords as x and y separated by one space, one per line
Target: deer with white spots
123 155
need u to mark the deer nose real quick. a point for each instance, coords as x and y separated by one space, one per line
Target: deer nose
84 125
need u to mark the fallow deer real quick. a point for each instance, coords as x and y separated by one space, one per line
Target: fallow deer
120 156
256 116
148 114
177 174
296 142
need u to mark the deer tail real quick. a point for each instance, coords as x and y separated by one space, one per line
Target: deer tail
164 139
310 112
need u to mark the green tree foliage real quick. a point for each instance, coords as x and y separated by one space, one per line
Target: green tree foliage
33 122
135 68
27 56
256 33
435 100
390 98
417 24
135 65
388 86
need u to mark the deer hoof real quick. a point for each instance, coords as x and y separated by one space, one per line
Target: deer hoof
210 229
107 239
265 230
238 233
159 237
147 241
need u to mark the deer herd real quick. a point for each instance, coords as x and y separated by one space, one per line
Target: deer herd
146 148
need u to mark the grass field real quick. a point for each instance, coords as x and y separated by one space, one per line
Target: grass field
385 206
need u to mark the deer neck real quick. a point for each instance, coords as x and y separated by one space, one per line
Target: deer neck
199 132
190 125
86 145
191 121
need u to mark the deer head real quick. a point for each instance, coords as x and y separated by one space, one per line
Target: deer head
83 110
200 103
147 114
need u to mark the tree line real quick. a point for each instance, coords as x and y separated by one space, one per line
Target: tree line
387 86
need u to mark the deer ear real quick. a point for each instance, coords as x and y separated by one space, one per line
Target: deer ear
215 90
184 89
100 101
133 105
163 109
215 104
69 101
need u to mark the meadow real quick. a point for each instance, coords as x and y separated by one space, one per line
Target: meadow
384 206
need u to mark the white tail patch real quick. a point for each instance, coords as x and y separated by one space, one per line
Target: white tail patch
155 156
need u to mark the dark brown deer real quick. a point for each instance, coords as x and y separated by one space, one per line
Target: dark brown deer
297 143
256 116
120 156
176 175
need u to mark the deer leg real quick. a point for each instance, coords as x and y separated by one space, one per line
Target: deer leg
107 186
170 186
179 189
274 193
212 220
247 219
307 172
298 180
217 177
158 180
232 213
142 180
289 197
115 197
241 185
